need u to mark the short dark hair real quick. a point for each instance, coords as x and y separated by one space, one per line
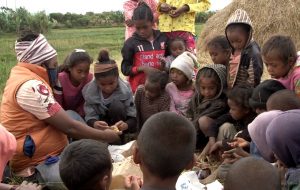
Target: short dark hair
76 57
283 100
167 144
284 46
252 173
219 42
241 96
158 77
143 12
103 58
262 93
83 163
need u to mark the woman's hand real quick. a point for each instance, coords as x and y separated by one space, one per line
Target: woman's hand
122 126
176 13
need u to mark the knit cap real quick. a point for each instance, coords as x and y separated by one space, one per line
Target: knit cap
186 62
263 91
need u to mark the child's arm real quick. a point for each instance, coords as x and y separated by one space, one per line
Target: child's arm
91 115
166 103
256 71
202 6
137 102
58 93
131 112
127 67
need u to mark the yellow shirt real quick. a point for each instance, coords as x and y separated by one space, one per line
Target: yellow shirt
186 21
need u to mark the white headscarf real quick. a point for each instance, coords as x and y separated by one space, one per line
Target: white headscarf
34 52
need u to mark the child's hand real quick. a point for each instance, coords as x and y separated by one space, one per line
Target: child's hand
165 8
176 13
101 125
129 23
122 126
111 136
215 147
239 142
133 183
29 186
162 63
233 155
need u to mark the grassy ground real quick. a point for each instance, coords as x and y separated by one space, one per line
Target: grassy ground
64 41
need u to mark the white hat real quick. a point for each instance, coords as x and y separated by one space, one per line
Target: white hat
186 62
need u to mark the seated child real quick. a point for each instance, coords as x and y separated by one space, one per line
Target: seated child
261 94
282 100
209 101
108 98
142 52
129 6
181 89
165 147
233 131
74 75
86 164
151 98
252 173
280 56
176 47
283 139
245 66
177 19
219 50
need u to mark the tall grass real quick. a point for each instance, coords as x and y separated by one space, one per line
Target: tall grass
64 41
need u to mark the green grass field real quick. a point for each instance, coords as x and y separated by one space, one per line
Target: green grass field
64 41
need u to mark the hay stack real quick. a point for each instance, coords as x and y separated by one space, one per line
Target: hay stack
268 17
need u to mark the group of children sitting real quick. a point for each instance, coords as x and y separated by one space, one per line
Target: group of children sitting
229 107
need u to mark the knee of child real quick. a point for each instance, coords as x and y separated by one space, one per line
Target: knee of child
117 108
204 123
226 131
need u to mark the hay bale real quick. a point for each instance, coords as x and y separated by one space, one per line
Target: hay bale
268 17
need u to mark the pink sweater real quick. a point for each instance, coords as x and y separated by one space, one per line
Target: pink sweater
69 96
179 99
292 81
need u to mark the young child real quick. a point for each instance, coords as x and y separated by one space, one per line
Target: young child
73 77
151 98
219 50
262 93
280 56
108 98
142 52
252 173
86 164
129 7
176 47
181 89
165 147
245 66
283 100
209 101
283 139
233 129
177 18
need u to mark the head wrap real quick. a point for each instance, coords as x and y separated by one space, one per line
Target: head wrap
283 137
34 52
104 67
257 130
186 62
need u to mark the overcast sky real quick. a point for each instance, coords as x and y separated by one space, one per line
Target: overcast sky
76 6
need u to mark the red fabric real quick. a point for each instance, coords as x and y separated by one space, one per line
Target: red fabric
144 58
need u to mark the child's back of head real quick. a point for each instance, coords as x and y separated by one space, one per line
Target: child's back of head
166 145
86 164
283 100
252 173
219 50
262 93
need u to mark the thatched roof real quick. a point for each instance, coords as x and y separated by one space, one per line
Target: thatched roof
268 17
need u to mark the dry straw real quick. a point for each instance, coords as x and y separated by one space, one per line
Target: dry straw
268 17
